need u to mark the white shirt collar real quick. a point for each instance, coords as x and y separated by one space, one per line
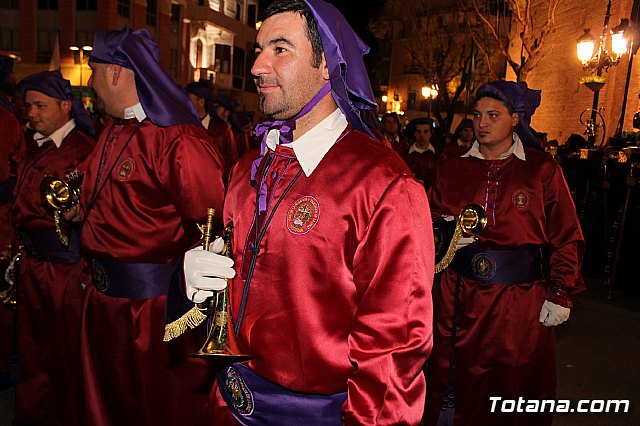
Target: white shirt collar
416 148
205 121
516 149
311 147
57 137
136 111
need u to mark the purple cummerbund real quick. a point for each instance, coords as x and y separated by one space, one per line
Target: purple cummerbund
44 245
257 401
500 267
132 280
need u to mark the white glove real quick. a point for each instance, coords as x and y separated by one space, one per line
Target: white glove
206 271
552 314
464 241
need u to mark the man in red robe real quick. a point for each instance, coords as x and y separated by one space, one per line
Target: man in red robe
421 156
59 137
495 309
332 244
200 93
11 141
149 183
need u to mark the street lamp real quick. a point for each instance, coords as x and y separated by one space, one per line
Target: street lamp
430 92
81 51
596 58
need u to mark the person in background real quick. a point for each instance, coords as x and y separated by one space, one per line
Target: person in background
393 133
421 157
332 243
495 310
148 184
53 276
463 138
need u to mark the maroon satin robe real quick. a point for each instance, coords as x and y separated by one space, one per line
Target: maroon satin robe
158 186
340 297
10 142
423 165
501 348
50 293
224 140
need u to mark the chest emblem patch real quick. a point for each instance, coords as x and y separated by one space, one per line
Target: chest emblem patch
126 169
521 199
484 266
303 215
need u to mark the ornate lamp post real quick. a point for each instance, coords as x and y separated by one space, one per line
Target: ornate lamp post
430 93
81 51
596 58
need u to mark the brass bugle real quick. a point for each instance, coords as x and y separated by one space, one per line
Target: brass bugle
469 223
61 195
221 340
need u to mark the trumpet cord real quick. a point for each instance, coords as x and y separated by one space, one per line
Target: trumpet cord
259 236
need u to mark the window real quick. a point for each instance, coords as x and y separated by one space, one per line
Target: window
238 68
48 4
45 46
411 100
86 4
9 4
239 10
173 63
124 8
9 40
251 15
223 58
175 14
152 12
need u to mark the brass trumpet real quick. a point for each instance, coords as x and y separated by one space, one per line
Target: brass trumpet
221 340
61 195
469 223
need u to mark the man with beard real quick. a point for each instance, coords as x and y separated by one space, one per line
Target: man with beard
333 246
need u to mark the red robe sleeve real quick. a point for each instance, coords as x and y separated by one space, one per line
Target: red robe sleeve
393 267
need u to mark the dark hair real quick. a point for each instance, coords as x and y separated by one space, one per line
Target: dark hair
394 116
413 124
301 8
496 97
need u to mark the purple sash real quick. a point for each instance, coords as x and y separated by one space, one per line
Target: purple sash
256 401
501 267
44 245
132 280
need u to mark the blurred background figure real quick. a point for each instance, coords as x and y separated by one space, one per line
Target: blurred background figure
422 156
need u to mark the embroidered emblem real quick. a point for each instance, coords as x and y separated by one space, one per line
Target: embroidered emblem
483 266
303 215
126 169
99 276
520 199
240 394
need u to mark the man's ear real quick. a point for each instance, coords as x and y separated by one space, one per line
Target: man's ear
325 68
115 70
66 106
515 119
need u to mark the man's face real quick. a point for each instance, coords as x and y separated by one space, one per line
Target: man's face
46 114
423 135
283 70
198 103
101 84
492 123
390 126
466 135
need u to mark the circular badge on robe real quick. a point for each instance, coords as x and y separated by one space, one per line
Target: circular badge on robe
126 169
99 276
240 393
483 266
303 215
520 199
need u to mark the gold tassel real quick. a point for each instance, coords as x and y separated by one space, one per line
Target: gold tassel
193 318
451 251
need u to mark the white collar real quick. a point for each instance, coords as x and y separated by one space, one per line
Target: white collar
136 111
205 121
311 147
416 148
57 136
516 149
462 144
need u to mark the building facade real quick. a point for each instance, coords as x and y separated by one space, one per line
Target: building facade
209 39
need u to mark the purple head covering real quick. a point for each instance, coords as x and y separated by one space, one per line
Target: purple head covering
164 102
52 84
202 89
343 50
6 66
521 100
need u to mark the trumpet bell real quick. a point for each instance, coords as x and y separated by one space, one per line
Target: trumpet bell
58 193
472 219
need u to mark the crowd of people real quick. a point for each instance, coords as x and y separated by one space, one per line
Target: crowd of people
331 264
